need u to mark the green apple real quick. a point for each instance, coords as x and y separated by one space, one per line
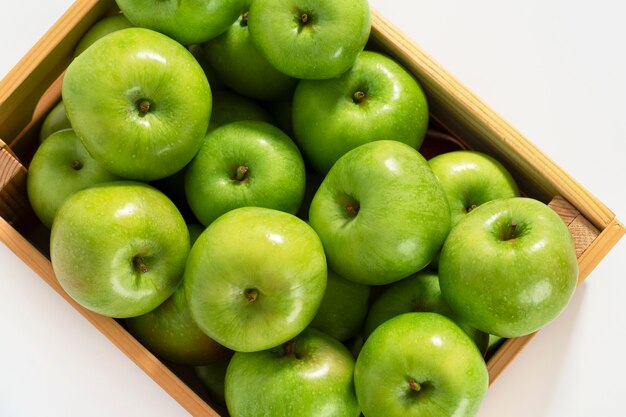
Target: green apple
255 278
139 101
509 267
55 120
231 107
188 21
420 364
119 248
470 179
60 167
170 333
243 68
343 308
102 28
375 99
310 39
380 213
245 163
308 376
419 292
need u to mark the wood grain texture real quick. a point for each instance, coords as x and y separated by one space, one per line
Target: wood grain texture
43 64
41 265
482 129
33 86
13 200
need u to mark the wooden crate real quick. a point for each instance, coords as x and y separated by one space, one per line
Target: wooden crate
30 90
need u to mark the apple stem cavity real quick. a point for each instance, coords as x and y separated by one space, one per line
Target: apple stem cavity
251 295
414 386
358 97
289 349
244 19
352 208
302 19
511 231
77 165
143 105
471 207
290 346
240 173
139 264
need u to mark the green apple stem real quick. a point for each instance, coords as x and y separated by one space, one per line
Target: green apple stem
140 265
240 172
289 349
358 97
304 18
471 207
352 208
77 165
244 19
143 105
414 385
251 295
510 231
290 346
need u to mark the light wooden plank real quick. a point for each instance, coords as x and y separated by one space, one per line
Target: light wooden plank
28 80
161 374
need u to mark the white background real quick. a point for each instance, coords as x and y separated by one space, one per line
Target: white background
555 69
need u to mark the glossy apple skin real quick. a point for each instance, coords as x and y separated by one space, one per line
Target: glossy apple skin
343 308
102 28
188 22
429 349
275 176
169 331
315 380
509 282
55 120
470 179
231 107
402 217
171 334
60 167
243 68
419 292
328 121
251 249
323 47
102 91
101 236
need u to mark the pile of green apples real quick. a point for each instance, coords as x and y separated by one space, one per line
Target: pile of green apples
240 183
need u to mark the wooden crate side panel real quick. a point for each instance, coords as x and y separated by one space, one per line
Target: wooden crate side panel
14 203
160 373
42 65
483 129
